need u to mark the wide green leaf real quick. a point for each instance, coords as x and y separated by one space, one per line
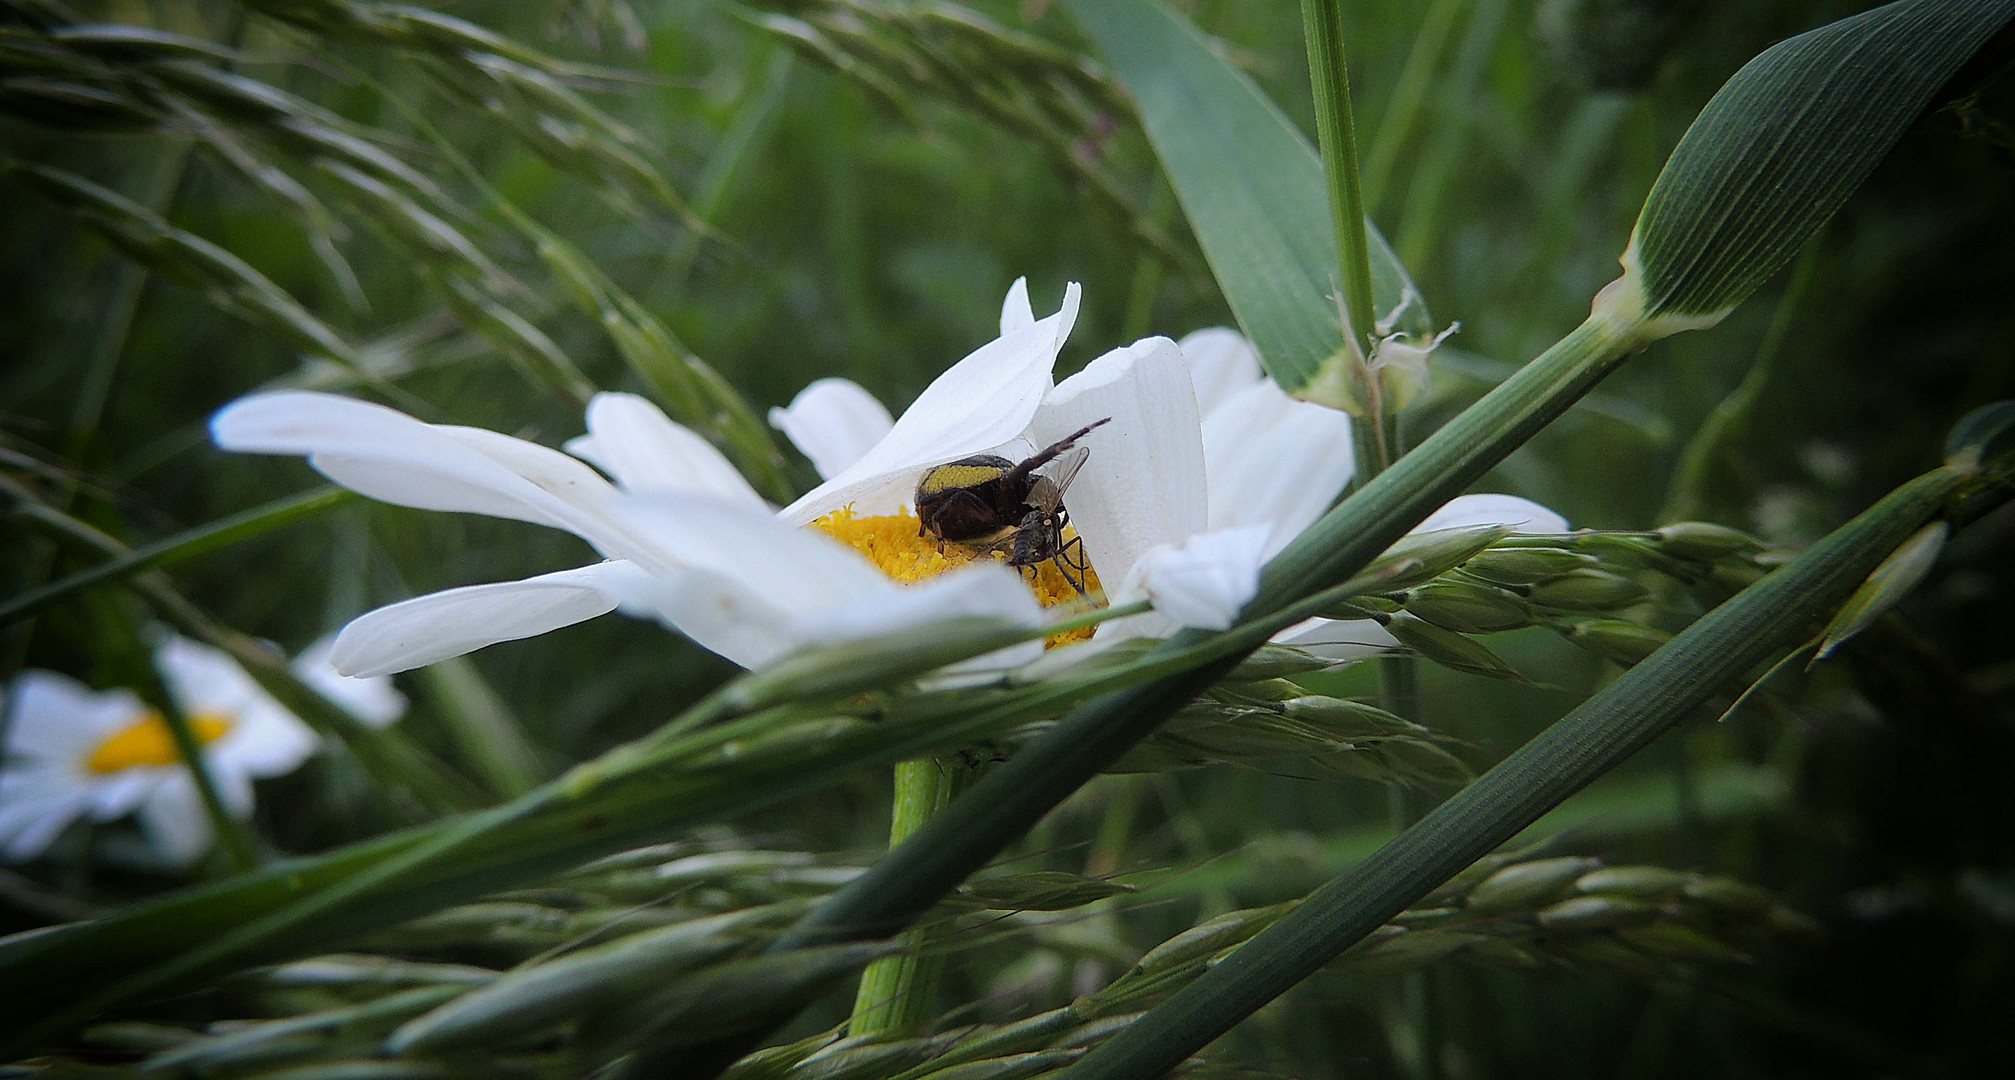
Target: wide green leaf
1254 192
1780 148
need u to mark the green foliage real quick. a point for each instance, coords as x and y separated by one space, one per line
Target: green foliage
604 843
1783 145
1253 191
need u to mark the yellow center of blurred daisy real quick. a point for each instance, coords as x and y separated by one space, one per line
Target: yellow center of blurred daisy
147 741
897 547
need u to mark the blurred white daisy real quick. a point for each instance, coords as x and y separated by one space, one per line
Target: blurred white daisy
73 752
1202 469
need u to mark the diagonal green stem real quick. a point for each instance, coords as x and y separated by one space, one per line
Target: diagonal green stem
1588 742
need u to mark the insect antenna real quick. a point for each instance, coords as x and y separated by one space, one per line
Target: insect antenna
1018 473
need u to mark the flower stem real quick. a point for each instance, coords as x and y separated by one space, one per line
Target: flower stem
898 992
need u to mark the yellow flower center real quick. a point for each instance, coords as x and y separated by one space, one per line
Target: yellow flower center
147 741
897 547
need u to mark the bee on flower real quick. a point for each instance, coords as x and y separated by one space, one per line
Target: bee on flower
1196 468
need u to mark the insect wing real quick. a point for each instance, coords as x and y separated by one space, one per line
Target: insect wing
1050 485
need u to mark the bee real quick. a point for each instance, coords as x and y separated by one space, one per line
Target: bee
991 503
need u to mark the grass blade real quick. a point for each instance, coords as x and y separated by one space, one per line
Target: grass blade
184 545
1782 145
1254 192
1583 745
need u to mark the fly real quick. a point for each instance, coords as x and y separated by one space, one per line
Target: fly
988 502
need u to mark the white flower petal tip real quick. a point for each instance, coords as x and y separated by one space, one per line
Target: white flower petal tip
1519 515
633 441
1016 311
1206 580
1221 362
428 629
1339 639
1144 484
833 422
394 458
373 700
981 402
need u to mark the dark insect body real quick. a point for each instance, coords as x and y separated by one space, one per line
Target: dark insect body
988 502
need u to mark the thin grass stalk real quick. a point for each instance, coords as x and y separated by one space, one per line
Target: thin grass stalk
392 756
1336 135
1585 744
491 739
1686 498
240 846
1415 81
184 545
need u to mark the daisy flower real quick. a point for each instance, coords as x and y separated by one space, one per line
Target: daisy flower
1200 469
73 752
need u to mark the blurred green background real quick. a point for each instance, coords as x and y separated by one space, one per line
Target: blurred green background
850 217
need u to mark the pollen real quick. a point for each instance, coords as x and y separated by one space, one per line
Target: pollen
896 545
147 741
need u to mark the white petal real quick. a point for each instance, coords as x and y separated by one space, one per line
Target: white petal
634 441
1274 460
35 808
1205 581
744 579
980 591
833 422
428 629
1016 311
207 681
1221 363
57 718
375 701
115 795
173 819
265 740
718 613
753 589
1522 515
789 568
980 402
1339 639
1144 484
387 455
